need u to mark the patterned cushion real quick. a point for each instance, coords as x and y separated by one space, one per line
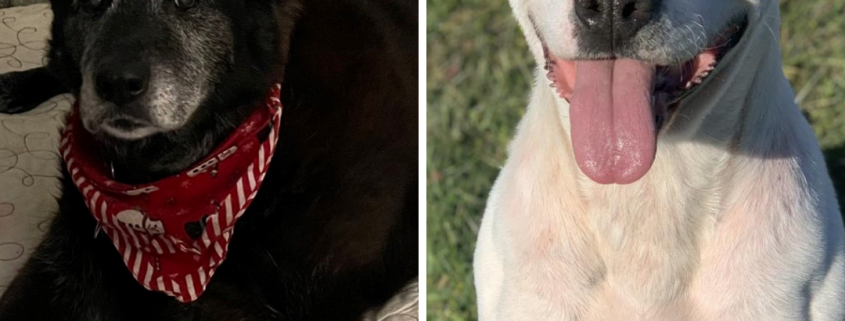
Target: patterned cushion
15 3
29 159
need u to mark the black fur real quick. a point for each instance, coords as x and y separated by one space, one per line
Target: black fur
332 232
24 90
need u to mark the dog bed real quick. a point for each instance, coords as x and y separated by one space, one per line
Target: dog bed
30 170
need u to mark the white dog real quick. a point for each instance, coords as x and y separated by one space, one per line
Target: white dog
667 174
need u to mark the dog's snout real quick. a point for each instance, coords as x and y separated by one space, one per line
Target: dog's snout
616 20
629 16
591 12
122 84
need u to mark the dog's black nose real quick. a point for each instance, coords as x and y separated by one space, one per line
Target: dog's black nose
616 20
122 84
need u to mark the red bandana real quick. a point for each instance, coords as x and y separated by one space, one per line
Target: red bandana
175 232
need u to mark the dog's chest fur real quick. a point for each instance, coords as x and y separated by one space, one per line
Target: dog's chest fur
661 248
648 233
637 241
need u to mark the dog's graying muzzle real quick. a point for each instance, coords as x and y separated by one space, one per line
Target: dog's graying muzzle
612 23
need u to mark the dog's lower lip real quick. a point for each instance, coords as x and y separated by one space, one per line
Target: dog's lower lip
126 124
129 128
129 131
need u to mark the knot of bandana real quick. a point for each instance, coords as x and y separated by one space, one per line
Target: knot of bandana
175 232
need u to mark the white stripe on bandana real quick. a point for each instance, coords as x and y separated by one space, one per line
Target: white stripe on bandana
174 233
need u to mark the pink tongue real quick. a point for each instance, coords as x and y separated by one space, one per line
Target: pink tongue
612 120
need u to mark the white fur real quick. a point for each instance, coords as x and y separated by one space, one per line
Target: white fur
737 219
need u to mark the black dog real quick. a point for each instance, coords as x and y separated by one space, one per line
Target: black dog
332 231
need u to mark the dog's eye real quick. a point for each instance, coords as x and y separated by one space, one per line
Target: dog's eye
186 4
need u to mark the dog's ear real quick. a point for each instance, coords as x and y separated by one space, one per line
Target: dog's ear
22 91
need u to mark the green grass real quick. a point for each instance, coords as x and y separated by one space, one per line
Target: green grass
479 76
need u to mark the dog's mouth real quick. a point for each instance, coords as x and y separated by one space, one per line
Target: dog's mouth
618 106
128 128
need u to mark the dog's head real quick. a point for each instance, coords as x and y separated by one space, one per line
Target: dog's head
625 66
161 82
147 67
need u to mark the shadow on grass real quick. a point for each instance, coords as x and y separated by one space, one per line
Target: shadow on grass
836 165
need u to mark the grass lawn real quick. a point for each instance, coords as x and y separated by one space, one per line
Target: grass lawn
479 76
